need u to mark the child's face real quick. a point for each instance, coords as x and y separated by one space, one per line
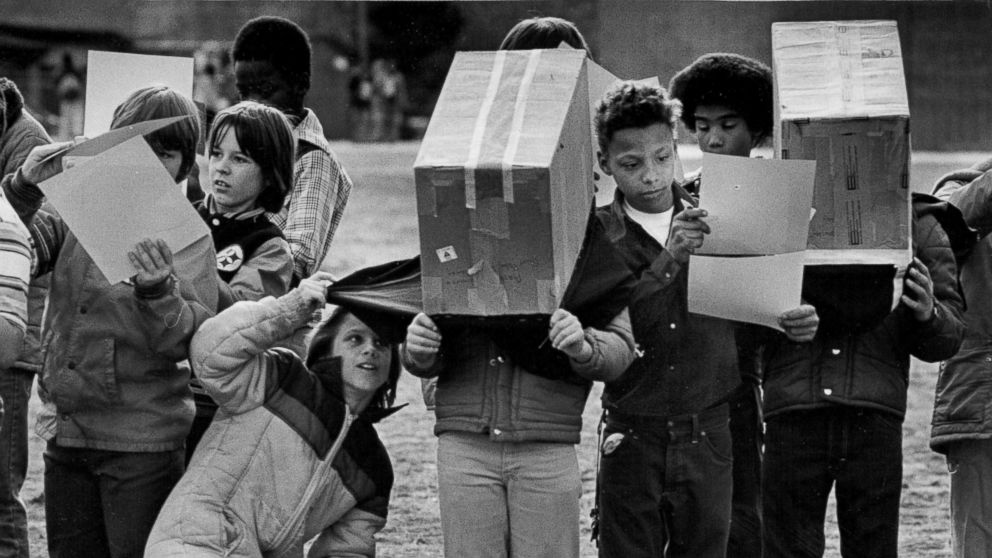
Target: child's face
365 358
172 159
722 130
235 178
260 81
642 161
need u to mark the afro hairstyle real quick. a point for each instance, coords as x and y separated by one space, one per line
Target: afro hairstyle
276 40
737 82
544 32
322 347
633 105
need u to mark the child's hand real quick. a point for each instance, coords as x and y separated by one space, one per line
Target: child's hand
423 341
152 260
566 335
314 288
800 323
686 236
34 171
917 292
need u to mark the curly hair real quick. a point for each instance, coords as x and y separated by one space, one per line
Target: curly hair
737 82
159 101
544 32
633 105
265 135
279 41
322 346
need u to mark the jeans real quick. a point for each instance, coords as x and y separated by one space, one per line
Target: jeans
665 486
858 452
508 499
15 391
970 465
746 433
104 503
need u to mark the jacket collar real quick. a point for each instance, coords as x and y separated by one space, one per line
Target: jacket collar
310 131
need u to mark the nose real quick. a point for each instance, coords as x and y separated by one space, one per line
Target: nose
651 173
714 139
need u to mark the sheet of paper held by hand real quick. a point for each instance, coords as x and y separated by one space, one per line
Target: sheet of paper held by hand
116 197
750 266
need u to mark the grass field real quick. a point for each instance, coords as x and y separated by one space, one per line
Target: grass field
380 225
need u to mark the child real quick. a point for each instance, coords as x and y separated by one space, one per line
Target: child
670 406
727 103
962 426
272 66
508 420
15 268
292 453
117 407
250 149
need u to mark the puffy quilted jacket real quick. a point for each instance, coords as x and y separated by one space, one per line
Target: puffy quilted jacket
963 405
284 459
870 369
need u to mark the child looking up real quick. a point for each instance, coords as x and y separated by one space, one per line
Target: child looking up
117 407
293 454
670 406
250 149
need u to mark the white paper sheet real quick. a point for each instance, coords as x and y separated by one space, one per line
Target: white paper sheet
112 76
753 289
755 206
119 197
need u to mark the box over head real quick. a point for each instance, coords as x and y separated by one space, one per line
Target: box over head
504 183
840 98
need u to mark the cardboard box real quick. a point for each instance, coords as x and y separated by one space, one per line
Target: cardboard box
504 183
840 98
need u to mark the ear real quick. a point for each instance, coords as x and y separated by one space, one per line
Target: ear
604 163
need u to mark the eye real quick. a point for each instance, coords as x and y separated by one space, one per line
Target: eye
702 126
214 153
379 344
629 165
729 124
243 159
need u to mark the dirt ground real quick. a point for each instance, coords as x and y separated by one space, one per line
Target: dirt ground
380 225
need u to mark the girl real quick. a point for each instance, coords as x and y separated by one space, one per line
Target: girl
251 154
292 452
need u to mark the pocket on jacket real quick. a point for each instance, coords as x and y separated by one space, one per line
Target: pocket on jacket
963 386
88 382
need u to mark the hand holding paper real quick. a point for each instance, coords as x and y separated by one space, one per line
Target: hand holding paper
919 297
152 261
39 166
800 324
687 234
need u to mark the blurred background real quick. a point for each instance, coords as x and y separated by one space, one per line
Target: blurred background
379 66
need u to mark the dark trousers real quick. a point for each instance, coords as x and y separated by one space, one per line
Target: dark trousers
104 503
746 432
665 486
858 452
15 390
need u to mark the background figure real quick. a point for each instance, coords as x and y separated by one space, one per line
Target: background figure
23 132
70 89
389 100
360 104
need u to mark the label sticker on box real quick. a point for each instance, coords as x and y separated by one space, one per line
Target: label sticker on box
446 254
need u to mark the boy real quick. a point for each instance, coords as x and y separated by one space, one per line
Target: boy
272 66
22 134
116 406
962 426
670 406
727 102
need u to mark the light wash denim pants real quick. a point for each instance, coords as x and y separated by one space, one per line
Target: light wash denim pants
508 499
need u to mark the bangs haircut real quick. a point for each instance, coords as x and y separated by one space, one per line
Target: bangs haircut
742 84
322 345
633 105
544 32
265 135
158 101
276 40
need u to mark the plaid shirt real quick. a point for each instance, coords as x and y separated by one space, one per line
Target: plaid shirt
15 267
314 206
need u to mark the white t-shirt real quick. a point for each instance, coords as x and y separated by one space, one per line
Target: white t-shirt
655 224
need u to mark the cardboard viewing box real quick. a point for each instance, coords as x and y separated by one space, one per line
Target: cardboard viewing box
840 98
504 183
